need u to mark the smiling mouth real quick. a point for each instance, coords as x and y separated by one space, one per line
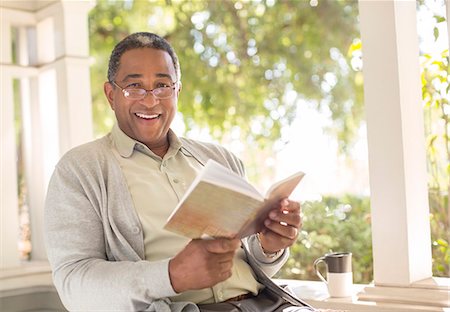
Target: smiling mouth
147 117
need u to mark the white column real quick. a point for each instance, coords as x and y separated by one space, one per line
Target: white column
75 107
55 102
9 192
5 31
447 4
35 158
62 111
397 161
71 50
74 102
9 221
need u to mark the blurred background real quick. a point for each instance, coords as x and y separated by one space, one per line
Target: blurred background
280 84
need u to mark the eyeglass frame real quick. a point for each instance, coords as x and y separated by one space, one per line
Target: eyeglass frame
173 86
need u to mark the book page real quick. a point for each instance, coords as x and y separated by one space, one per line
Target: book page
285 187
215 173
220 203
220 175
212 211
279 190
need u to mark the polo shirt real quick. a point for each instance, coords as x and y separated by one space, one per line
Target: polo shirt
156 186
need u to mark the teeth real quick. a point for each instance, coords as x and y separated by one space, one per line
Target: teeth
147 116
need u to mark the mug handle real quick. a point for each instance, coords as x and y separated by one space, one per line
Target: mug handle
316 269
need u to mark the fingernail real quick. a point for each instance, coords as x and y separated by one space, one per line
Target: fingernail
285 202
267 222
273 215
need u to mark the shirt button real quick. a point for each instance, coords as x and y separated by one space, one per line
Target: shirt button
176 180
135 230
164 164
220 295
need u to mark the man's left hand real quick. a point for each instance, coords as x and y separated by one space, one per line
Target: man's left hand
281 227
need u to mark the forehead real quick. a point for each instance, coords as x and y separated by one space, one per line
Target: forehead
146 61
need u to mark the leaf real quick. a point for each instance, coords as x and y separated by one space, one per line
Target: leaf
355 46
441 242
436 33
439 19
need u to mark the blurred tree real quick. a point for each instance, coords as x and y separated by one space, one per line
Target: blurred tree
436 95
435 73
244 63
350 217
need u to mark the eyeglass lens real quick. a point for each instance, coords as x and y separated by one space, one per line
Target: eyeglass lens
159 93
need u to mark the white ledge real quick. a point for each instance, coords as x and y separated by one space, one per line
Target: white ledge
30 285
28 278
429 295
432 292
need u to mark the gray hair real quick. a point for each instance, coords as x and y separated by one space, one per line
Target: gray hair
136 41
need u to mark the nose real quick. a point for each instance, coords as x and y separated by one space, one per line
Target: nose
149 99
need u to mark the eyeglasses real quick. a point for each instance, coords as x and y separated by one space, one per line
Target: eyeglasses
140 93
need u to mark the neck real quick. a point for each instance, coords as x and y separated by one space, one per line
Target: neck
160 149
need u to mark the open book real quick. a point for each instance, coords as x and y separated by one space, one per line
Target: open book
220 203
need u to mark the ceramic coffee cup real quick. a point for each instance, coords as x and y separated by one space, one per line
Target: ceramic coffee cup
339 273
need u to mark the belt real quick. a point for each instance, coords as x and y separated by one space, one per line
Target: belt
241 297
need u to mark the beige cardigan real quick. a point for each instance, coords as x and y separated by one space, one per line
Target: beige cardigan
94 238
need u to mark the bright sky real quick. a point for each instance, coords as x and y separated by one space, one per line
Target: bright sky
316 153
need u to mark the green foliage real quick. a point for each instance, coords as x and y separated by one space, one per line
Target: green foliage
240 58
436 94
333 224
106 29
244 66
440 235
435 99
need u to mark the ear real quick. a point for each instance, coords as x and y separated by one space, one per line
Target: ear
108 88
180 86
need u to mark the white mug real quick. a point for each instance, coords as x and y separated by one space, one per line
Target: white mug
339 273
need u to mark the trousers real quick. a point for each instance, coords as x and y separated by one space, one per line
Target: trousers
266 301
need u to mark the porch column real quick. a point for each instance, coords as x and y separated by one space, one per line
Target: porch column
396 141
62 111
9 221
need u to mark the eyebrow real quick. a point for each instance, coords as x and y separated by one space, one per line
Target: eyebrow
159 75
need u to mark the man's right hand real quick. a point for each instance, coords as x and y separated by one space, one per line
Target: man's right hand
202 264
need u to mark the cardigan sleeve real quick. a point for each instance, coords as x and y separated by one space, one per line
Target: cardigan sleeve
77 240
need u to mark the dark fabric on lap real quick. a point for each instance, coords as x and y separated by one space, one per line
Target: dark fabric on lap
275 289
272 298
266 301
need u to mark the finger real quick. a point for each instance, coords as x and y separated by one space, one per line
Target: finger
290 205
274 242
226 266
222 245
290 232
225 275
285 218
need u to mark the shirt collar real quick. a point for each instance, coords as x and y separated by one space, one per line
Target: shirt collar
175 143
126 145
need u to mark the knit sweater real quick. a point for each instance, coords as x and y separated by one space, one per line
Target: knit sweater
94 237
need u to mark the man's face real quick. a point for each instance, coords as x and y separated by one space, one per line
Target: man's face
147 120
